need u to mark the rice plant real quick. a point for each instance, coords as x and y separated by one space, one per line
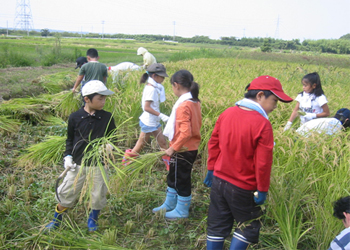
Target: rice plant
46 153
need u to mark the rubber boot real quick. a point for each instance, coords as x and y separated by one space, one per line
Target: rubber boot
181 210
92 221
128 155
237 244
215 243
57 218
170 201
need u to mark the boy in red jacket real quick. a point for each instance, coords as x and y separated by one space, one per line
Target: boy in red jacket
239 164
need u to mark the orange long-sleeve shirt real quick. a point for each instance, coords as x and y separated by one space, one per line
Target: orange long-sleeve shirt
187 126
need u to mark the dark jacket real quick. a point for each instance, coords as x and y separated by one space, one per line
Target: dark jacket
83 128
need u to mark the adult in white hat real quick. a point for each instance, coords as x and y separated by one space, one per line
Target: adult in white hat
148 58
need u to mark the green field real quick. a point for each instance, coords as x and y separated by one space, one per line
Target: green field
307 174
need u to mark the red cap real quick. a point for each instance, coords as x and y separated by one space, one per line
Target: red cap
272 84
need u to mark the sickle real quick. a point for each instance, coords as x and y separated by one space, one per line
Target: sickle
58 180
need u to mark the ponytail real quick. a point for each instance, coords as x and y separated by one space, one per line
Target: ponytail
185 79
195 91
144 78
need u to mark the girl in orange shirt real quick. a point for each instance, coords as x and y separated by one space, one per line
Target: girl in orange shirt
183 131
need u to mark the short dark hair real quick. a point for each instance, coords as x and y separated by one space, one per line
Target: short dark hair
92 53
91 96
340 206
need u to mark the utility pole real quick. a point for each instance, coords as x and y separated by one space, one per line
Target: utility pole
23 18
7 29
81 31
103 23
174 32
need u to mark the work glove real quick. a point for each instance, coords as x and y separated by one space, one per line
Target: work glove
68 162
209 178
309 116
107 148
288 126
260 197
164 118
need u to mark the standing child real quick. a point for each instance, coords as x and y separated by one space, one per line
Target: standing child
183 131
93 70
239 164
86 124
153 95
311 101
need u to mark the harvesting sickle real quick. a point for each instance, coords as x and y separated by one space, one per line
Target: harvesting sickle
58 180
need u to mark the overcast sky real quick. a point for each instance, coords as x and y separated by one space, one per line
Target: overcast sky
283 19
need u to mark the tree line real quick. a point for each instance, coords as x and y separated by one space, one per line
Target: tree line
335 46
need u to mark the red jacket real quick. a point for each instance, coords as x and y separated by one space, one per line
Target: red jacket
240 149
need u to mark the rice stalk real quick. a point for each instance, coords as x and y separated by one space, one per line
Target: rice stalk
46 153
8 125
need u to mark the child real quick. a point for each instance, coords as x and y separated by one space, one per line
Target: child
311 101
239 164
342 212
328 126
88 123
93 70
183 131
81 61
153 95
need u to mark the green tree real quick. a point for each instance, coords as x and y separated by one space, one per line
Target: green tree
45 32
266 47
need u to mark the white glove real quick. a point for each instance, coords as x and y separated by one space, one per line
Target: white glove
288 125
309 116
68 162
164 118
107 148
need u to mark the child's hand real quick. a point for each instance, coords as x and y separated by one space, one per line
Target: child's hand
310 116
170 151
209 178
164 118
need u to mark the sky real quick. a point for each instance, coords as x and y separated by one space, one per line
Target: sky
280 19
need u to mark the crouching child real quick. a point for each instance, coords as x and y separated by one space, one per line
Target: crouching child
88 123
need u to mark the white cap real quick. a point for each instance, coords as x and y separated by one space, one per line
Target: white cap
95 86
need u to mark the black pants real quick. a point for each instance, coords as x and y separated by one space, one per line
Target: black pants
179 176
229 203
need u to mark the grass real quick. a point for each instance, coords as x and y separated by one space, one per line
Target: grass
307 174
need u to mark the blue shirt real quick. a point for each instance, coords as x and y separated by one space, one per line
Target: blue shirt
342 241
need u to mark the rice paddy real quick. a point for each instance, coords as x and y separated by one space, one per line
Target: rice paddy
307 174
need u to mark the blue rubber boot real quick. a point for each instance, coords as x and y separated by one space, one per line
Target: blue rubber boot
170 201
215 243
239 244
56 222
92 221
181 210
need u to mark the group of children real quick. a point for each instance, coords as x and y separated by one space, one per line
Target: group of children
240 149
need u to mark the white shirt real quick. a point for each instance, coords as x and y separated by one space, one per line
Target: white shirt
150 93
327 126
309 103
